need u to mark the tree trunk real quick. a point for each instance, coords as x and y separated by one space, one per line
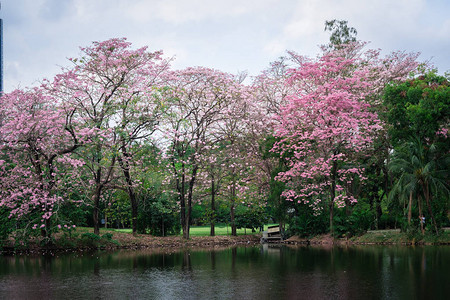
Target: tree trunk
280 226
188 210
331 217
410 208
378 209
181 190
186 225
96 201
45 231
213 208
134 211
419 202
131 194
213 230
373 207
385 171
232 219
232 212
332 195
430 211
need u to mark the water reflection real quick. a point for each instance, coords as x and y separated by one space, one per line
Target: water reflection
266 272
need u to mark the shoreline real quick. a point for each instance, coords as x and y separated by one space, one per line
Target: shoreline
377 237
126 241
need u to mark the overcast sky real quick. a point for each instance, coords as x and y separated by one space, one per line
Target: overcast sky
231 35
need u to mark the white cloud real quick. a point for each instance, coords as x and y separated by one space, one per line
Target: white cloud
230 35
181 11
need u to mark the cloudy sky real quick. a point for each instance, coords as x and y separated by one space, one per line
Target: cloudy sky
231 35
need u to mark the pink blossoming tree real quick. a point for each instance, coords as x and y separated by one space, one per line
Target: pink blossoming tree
329 121
114 92
199 99
36 139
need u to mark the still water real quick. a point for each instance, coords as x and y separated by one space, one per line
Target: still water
261 272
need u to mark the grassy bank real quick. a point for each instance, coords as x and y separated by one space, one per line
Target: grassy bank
381 237
397 237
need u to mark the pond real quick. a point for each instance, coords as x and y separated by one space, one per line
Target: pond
260 272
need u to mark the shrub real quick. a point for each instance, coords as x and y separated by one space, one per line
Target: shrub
157 216
107 236
304 224
357 223
90 240
7 226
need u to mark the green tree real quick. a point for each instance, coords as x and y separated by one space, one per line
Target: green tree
417 114
252 217
340 33
421 174
419 108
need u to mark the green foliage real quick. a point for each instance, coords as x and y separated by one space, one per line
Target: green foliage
22 232
418 108
90 237
357 223
418 118
198 214
392 220
340 32
7 225
118 210
157 210
158 215
250 217
74 213
66 241
107 236
440 206
221 214
277 204
304 223
209 216
422 174
92 240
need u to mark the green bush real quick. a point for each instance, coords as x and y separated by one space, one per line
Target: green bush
158 217
107 236
90 240
7 226
305 224
357 223
250 217
391 221
66 241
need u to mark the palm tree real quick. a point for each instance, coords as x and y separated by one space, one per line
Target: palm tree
421 173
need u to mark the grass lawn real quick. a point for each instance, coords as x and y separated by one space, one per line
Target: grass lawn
220 229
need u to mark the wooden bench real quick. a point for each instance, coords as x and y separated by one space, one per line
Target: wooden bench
272 234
